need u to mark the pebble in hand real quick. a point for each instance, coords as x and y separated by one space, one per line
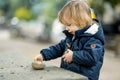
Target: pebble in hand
37 65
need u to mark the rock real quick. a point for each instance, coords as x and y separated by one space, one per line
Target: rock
12 72
38 65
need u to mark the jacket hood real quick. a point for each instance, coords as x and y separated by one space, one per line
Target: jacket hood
94 30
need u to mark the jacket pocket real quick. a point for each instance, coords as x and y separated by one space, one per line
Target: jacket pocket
74 67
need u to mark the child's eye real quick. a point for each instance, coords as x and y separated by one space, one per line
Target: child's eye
68 24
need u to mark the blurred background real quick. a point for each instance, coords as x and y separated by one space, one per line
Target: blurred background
33 18
27 26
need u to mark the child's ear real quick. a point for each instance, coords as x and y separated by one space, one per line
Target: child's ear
81 26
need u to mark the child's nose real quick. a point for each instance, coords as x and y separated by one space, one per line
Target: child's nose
67 28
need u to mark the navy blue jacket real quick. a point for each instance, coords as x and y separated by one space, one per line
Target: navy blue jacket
88 51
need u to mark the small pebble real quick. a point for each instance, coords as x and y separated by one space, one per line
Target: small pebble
1 68
21 65
12 73
1 76
38 65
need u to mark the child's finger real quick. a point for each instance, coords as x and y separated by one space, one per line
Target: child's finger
63 56
65 59
35 59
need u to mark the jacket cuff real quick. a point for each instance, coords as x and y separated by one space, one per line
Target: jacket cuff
42 52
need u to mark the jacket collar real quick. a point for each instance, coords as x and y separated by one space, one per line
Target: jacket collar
87 31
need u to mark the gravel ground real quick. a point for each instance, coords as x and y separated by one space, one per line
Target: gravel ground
110 69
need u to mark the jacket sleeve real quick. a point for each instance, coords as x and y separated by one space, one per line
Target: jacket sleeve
53 51
92 52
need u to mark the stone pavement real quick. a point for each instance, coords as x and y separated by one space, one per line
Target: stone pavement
109 71
14 66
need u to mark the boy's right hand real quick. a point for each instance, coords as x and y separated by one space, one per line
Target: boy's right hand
38 58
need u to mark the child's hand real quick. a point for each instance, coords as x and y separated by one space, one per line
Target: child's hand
68 56
38 58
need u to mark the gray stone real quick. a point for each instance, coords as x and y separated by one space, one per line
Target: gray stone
38 65
26 72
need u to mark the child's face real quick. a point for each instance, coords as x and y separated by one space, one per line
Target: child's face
71 28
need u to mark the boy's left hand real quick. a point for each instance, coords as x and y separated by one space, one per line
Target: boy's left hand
68 56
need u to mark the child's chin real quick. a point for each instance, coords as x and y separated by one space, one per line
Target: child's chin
71 33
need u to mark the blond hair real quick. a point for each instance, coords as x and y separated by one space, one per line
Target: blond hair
75 12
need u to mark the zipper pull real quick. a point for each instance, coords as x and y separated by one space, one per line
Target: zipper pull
68 45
